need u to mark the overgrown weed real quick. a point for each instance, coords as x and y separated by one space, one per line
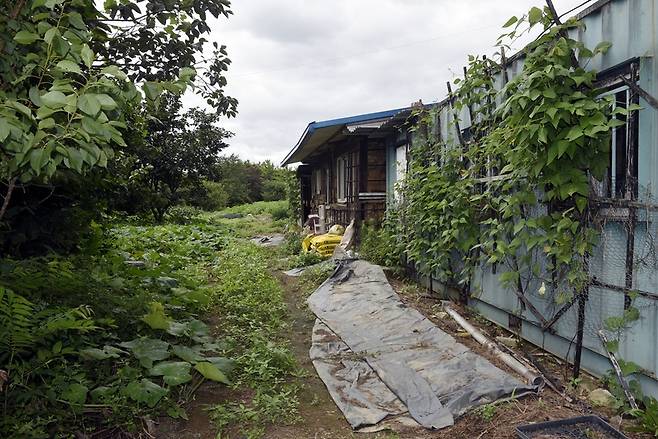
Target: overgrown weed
250 301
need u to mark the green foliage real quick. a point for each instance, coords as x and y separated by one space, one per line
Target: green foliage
275 181
278 407
134 348
16 324
215 196
545 133
160 41
305 259
182 214
279 212
257 208
61 111
293 240
487 412
610 380
294 196
167 148
380 243
647 417
66 107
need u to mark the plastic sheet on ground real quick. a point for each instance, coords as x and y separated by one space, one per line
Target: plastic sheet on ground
269 241
296 272
381 359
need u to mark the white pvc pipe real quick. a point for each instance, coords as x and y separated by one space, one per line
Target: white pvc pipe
513 363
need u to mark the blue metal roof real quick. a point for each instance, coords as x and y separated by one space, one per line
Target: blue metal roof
317 132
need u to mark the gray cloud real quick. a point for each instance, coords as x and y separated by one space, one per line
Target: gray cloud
296 61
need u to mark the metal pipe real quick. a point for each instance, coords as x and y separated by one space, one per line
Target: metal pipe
513 363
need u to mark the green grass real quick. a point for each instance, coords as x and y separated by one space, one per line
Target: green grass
257 208
257 218
250 301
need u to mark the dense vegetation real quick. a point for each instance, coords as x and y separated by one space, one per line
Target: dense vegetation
109 337
108 267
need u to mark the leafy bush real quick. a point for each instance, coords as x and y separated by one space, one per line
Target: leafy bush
305 259
114 327
274 190
647 417
379 244
279 212
182 214
293 240
216 196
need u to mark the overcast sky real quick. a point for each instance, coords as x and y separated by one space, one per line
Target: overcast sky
299 61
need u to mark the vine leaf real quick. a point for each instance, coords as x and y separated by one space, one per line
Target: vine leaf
511 21
191 355
534 16
25 37
75 394
156 317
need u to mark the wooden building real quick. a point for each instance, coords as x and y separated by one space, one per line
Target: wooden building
345 166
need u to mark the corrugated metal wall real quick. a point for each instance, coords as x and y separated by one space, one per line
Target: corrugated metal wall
630 25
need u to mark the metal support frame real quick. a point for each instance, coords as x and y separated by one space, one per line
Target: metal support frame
580 330
451 99
630 190
640 92
549 324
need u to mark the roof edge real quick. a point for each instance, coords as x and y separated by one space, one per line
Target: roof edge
311 127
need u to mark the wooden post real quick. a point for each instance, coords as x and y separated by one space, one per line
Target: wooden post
470 108
503 65
563 33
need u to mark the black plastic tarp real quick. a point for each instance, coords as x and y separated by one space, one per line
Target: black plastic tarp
381 359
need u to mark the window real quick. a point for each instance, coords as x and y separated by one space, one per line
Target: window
400 168
341 179
621 178
317 181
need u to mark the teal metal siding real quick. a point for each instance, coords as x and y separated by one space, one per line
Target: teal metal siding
630 25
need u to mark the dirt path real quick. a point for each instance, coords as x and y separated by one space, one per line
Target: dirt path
320 417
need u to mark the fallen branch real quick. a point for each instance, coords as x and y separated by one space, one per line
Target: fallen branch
618 372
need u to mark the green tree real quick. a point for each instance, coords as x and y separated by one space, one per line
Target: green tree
242 180
178 147
59 110
67 84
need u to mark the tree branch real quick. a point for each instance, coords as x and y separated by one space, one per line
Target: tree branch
5 203
13 14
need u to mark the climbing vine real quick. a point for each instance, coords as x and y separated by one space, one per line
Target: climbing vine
513 189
